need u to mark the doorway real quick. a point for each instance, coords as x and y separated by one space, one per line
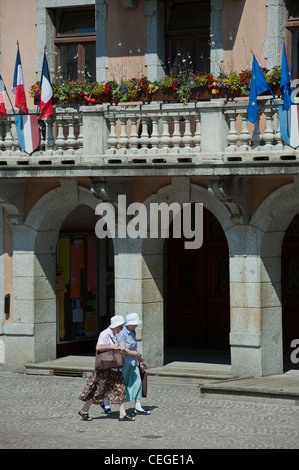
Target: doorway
198 308
84 283
290 284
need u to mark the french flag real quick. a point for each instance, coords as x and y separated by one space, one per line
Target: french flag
27 132
18 85
2 104
289 124
45 102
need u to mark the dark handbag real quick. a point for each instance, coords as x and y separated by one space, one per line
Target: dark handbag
143 376
111 359
114 358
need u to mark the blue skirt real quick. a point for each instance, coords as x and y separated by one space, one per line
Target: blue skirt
133 382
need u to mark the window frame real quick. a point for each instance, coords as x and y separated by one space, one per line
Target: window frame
72 39
191 33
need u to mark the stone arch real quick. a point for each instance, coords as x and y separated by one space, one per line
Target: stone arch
255 263
152 275
34 267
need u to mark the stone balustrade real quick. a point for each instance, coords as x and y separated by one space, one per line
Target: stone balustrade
205 132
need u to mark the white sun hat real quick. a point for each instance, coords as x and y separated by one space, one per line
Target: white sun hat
133 319
116 321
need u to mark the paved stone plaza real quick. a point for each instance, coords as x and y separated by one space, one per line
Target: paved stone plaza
40 412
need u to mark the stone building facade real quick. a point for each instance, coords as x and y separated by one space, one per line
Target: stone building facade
59 283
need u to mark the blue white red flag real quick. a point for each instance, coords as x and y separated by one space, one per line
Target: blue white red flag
45 102
27 132
289 124
2 104
18 85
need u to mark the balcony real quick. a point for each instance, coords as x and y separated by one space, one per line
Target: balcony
211 137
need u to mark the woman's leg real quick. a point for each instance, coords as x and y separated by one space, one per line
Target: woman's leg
139 409
84 411
122 413
86 406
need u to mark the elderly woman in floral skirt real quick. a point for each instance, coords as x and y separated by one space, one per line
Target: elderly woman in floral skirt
107 386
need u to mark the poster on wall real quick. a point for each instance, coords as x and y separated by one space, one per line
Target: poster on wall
78 310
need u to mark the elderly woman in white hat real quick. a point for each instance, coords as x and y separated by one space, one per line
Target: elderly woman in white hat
106 386
131 371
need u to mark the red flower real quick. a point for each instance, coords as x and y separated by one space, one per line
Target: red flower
173 87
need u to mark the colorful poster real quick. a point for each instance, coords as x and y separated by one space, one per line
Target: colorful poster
78 310
61 319
77 263
64 257
92 264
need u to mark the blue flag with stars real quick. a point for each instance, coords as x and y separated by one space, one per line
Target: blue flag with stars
258 85
285 81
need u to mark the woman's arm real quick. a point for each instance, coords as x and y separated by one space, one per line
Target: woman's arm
106 347
137 354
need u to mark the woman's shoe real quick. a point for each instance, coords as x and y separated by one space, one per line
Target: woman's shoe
126 418
108 411
84 416
143 412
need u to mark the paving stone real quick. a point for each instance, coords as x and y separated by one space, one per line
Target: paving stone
41 412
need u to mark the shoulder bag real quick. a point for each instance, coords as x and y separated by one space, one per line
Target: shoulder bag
143 376
111 359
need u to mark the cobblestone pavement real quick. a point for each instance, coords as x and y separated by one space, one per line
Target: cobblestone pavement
41 412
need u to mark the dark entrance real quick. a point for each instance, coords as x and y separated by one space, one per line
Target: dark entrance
290 284
198 310
85 283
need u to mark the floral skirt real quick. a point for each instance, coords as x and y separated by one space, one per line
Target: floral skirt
107 385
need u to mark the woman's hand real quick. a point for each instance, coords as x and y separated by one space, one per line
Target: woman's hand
138 356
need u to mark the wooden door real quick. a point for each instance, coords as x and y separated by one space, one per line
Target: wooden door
198 291
185 296
290 292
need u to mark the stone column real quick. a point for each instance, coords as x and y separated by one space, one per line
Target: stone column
2 292
276 32
154 53
256 326
101 51
31 337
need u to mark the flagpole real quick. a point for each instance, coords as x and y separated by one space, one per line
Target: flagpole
5 89
40 83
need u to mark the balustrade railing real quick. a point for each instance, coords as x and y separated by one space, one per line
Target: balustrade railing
154 133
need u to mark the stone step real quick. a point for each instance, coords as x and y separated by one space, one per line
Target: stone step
277 389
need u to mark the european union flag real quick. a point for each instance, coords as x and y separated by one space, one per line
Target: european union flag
258 85
285 81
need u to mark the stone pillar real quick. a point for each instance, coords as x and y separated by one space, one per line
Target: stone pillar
217 54
31 336
138 288
154 53
212 117
101 51
95 130
276 32
2 292
256 325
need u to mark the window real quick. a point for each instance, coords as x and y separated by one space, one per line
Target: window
187 35
293 36
75 44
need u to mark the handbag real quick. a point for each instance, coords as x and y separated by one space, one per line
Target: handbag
143 376
114 358
111 359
